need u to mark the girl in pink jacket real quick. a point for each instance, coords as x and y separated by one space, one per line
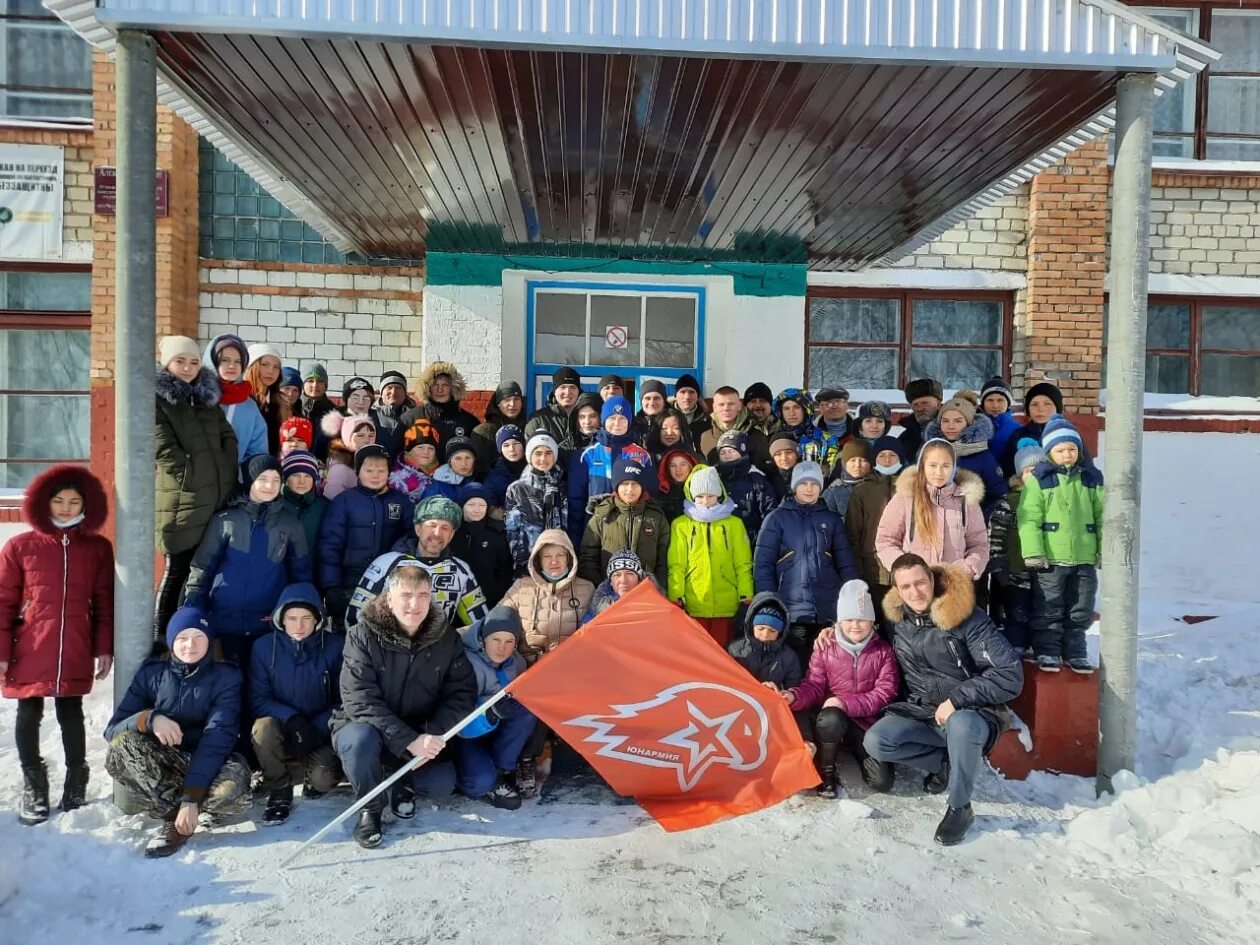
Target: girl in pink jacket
854 677
936 514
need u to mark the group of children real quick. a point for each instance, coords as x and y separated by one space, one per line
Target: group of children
277 508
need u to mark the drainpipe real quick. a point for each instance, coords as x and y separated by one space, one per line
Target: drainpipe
1122 454
135 328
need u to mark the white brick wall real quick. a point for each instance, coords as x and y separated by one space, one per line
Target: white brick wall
1205 231
464 324
995 238
350 335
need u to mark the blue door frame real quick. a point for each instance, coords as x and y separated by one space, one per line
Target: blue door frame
538 374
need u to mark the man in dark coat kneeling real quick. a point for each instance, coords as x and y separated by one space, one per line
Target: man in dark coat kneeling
959 673
404 681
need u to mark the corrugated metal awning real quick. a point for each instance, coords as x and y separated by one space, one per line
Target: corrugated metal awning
845 132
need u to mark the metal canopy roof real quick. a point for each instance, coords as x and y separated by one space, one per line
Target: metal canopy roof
845 132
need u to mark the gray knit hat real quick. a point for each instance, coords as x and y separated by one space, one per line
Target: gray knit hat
854 602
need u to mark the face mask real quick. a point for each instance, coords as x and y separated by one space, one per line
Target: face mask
70 524
887 470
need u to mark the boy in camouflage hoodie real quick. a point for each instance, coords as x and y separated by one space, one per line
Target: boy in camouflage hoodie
1010 595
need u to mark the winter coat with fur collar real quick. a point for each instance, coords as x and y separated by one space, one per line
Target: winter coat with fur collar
450 419
962 536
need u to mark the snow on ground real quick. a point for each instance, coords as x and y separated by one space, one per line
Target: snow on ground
1173 858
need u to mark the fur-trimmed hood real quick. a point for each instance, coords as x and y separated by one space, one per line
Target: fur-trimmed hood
458 387
975 435
51 481
204 391
968 484
953 600
385 627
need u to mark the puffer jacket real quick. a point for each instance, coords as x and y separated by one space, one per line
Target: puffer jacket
535 503
550 612
822 445
865 683
56 592
551 419
360 525
310 510
964 538
483 546
710 558
803 554
751 492
389 425
590 476
1060 514
758 442
404 686
250 553
616 526
241 411
491 676
953 652
203 698
196 459
501 476
839 493
446 483
450 419
1004 427
410 480
290 677
974 455
768 662
861 523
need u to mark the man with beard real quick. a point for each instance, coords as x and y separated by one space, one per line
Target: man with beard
924 397
455 589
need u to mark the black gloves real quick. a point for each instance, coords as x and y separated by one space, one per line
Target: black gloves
301 736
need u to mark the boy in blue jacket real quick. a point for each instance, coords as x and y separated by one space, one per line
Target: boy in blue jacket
293 689
488 750
171 739
361 524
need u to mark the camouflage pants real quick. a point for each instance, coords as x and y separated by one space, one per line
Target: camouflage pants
154 774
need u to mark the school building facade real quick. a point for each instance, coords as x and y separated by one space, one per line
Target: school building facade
1018 287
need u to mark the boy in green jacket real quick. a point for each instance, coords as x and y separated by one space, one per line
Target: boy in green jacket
628 520
1060 533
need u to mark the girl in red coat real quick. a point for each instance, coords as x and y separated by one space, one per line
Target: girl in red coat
56 624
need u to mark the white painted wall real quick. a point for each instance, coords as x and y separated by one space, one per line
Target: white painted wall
463 324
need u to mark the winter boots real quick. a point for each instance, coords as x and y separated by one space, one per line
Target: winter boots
877 774
279 806
168 841
34 808
954 825
74 790
1081 665
505 796
1049 664
527 776
938 783
402 800
826 765
367 832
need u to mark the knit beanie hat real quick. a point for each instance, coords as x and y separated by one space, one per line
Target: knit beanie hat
924 387
509 431
758 390
964 402
460 444
370 451
856 447
624 561
315 370
541 439
299 461
421 431
769 613
475 490
704 480
172 346
995 385
356 383
228 341
565 375
734 439
350 424
610 379
1028 457
438 508
854 602
255 466
629 471
298 427
507 389
889 443
614 406
1044 389
187 618
289 377
877 409
806 472
784 440
651 386
264 349
393 377
1060 430
687 382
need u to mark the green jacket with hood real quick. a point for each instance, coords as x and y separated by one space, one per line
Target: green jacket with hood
616 526
710 558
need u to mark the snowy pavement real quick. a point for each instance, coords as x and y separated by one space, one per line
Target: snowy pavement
1173 858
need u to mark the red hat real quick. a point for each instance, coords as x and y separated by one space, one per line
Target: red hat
299 427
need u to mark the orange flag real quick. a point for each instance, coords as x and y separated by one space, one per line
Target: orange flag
666 715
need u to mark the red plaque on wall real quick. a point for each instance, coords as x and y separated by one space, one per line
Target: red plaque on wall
105 191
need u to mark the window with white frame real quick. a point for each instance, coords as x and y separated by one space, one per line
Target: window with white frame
45 361
45 66
1217 115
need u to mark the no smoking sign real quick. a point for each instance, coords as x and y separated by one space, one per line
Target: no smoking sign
616 337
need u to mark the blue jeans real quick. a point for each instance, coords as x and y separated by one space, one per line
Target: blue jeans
361 751
1063 609
925 745
478 761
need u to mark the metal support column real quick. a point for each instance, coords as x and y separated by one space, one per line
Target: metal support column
1122 455
135 327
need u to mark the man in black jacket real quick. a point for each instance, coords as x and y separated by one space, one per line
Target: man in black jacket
959 673
404 681
553 417
924 397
